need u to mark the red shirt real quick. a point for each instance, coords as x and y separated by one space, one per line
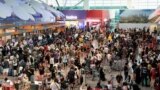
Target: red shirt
153 73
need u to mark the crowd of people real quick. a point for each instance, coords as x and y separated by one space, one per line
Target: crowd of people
62 60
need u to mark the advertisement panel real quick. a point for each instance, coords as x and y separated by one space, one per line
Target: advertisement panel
135 16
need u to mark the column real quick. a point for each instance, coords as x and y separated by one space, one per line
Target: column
129 4
47 2
86 4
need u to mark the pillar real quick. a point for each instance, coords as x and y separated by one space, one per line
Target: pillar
86 4
129 4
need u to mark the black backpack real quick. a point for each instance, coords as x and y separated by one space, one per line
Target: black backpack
144 70
64 85
135 87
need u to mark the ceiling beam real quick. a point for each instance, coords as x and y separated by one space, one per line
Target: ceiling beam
78 3
57 3
86 5
65 3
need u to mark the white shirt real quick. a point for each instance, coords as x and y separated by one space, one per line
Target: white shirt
93 58
29 50
140 50
11 57
40 38
158 57
54 86
56 34
50 35
72 59
24 42
51 60
15 44
15 62
106 49
49 48
99 56
52 46
109 86
76 35
158 37
17 56
64 58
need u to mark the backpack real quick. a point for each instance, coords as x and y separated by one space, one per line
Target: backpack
135 87
144 70
64 85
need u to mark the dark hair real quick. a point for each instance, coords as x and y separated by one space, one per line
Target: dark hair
126 63
89 88
135 87
125 83
109 82
119 88
106 87
5 79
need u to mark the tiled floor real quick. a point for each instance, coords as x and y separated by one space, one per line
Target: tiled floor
92 83
114 73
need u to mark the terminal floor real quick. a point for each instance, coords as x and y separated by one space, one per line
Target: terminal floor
93 83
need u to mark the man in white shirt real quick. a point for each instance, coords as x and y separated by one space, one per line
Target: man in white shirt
99 57
54 86
51 61
52 46
110 87
24 42
106 49
40 37
76 35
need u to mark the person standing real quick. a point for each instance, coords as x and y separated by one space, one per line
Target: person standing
65 59
144 74
137 73
126 70
51 61
153 76
71 77
98 86
159 65
54 85
109 59
119 79
102 74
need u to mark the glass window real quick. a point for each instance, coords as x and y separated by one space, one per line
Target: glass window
152 7
137 4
